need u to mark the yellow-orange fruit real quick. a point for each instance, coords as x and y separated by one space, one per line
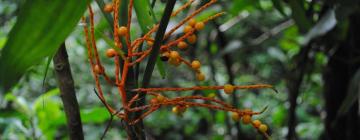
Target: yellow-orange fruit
192 39
174 61
111 53
160 98
165 56
256 123
150 43
192 22
122 31
174 55
182 45
108 8
195 64
235 116
154 101
98 69
246 119
200 76
228 89
199 26
211 95
263 128
187 29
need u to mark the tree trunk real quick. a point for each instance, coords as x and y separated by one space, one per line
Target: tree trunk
339 71
67 94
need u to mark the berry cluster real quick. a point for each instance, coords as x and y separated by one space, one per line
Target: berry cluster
167 53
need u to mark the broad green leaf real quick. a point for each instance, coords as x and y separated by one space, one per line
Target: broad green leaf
40 29
49 113
2 42
95 115
147 20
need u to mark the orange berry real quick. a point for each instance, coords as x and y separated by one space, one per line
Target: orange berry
160 98
192 22
174 55
200 76
182 45
246 119
154 101
187 29
235 116
108 8
195 64
256 123
176 110
263 128
122 31
192 39
98 69
174 61
199 26
111 53
228 89
150 43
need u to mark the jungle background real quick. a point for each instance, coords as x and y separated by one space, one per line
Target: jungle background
307 49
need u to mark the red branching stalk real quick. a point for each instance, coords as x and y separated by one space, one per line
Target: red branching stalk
202 88
158 99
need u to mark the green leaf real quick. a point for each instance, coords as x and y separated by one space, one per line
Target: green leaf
95 115
147 20
40 29
144 14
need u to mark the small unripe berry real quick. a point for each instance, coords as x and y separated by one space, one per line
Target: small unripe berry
178 110
111 53
174 55
175 110
98 69
187 29
108 8
228 89
235 116
246 119
256 123
263 128
200 76
195 64
192 22
182 45
192 39
211 95
122 31
199 26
